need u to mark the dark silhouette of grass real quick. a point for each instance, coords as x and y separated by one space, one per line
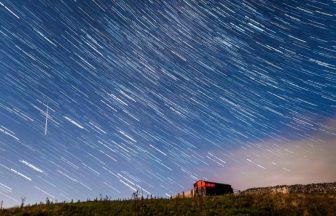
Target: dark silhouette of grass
248 204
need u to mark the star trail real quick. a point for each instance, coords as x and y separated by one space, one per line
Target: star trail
110 97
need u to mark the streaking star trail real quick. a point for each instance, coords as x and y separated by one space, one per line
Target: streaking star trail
110 97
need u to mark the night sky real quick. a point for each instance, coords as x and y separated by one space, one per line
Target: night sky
153 95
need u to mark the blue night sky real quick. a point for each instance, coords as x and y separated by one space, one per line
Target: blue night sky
152 95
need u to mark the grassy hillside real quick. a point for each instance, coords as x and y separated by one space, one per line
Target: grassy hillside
261 204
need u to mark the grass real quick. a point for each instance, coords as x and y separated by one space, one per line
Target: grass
260 204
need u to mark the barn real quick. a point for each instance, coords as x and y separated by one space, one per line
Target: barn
206 188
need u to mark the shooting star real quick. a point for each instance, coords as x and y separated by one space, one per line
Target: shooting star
46 122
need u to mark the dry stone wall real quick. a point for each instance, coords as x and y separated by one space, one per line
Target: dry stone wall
298 188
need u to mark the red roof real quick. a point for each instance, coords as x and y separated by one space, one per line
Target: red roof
207 184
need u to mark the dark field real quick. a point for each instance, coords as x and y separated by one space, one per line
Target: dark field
262 204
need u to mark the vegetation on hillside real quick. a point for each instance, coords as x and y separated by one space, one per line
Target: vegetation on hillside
258 204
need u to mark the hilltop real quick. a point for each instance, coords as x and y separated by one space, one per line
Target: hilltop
241 204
